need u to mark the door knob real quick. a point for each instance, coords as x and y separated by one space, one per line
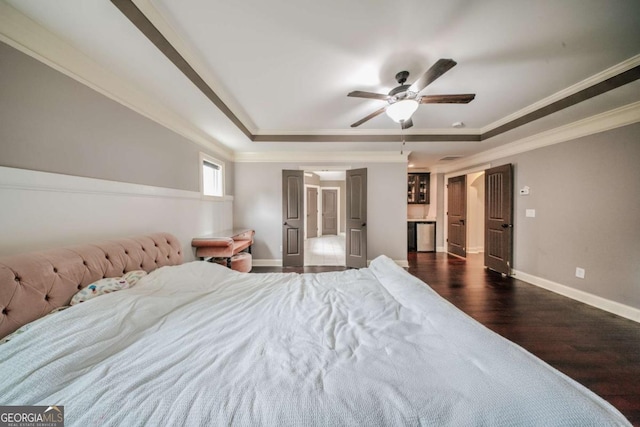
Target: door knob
285 223
507 225
364 224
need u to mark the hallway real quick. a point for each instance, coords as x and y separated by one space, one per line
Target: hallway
325 250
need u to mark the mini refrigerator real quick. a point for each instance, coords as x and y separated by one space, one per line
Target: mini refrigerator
426 236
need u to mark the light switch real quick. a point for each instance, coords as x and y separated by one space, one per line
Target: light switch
530 213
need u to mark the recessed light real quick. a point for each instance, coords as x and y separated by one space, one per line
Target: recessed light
458 125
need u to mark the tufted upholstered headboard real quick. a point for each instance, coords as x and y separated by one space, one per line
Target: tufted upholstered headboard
33 284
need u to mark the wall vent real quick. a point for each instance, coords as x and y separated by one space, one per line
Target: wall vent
449 158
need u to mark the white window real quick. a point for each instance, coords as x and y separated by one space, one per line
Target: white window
212 176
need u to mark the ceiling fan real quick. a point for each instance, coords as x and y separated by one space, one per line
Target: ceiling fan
404 99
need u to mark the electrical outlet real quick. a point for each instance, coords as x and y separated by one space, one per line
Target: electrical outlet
580 272
530 213
280 248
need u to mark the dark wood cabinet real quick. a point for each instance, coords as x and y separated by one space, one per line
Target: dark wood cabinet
418 188
412 244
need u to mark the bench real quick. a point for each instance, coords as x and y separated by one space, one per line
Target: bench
231 246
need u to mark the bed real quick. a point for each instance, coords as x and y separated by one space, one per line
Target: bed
199 344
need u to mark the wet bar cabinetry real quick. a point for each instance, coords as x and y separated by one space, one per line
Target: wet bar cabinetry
418 188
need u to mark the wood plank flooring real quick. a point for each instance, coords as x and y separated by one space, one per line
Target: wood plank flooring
596 348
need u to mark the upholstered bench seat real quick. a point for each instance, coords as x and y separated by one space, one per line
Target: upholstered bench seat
226 244
219 248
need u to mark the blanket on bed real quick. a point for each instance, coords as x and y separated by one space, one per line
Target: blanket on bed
199 344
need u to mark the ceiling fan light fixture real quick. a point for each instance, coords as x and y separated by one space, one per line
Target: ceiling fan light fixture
402 111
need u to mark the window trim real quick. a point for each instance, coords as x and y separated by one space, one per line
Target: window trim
209 159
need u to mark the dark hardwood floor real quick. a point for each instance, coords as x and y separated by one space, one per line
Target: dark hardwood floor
596 348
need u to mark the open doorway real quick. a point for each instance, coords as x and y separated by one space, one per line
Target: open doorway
475 212
465 209
325 217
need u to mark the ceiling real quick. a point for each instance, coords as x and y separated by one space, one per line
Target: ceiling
284 69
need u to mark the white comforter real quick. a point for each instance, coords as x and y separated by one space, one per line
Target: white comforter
198 344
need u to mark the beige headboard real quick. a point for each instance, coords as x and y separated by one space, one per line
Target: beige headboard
33 284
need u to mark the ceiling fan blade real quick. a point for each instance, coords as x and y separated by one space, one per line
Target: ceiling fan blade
368 95
407 124
369 117
436 70
464 98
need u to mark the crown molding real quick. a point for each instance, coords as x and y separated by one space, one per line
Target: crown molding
600 77
329 156
366 138
368 132
603 122
137 10
157 17
22 33
25 35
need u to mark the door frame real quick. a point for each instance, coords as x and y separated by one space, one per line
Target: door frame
320 230
445 229
305 209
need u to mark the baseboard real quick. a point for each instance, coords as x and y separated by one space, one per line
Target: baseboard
614 307
475 250
441 249
402 263
266 262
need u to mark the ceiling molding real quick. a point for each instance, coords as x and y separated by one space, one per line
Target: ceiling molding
329 157
148 29
365 132
365 138
610 72
610 83
154 14
609 79
619 117
25 35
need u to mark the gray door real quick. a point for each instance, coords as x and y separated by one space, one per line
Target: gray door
457 216
312 212
329 212
292 218
356 224
498 208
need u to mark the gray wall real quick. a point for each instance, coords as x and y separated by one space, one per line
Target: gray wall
258 205
50 122
587 201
